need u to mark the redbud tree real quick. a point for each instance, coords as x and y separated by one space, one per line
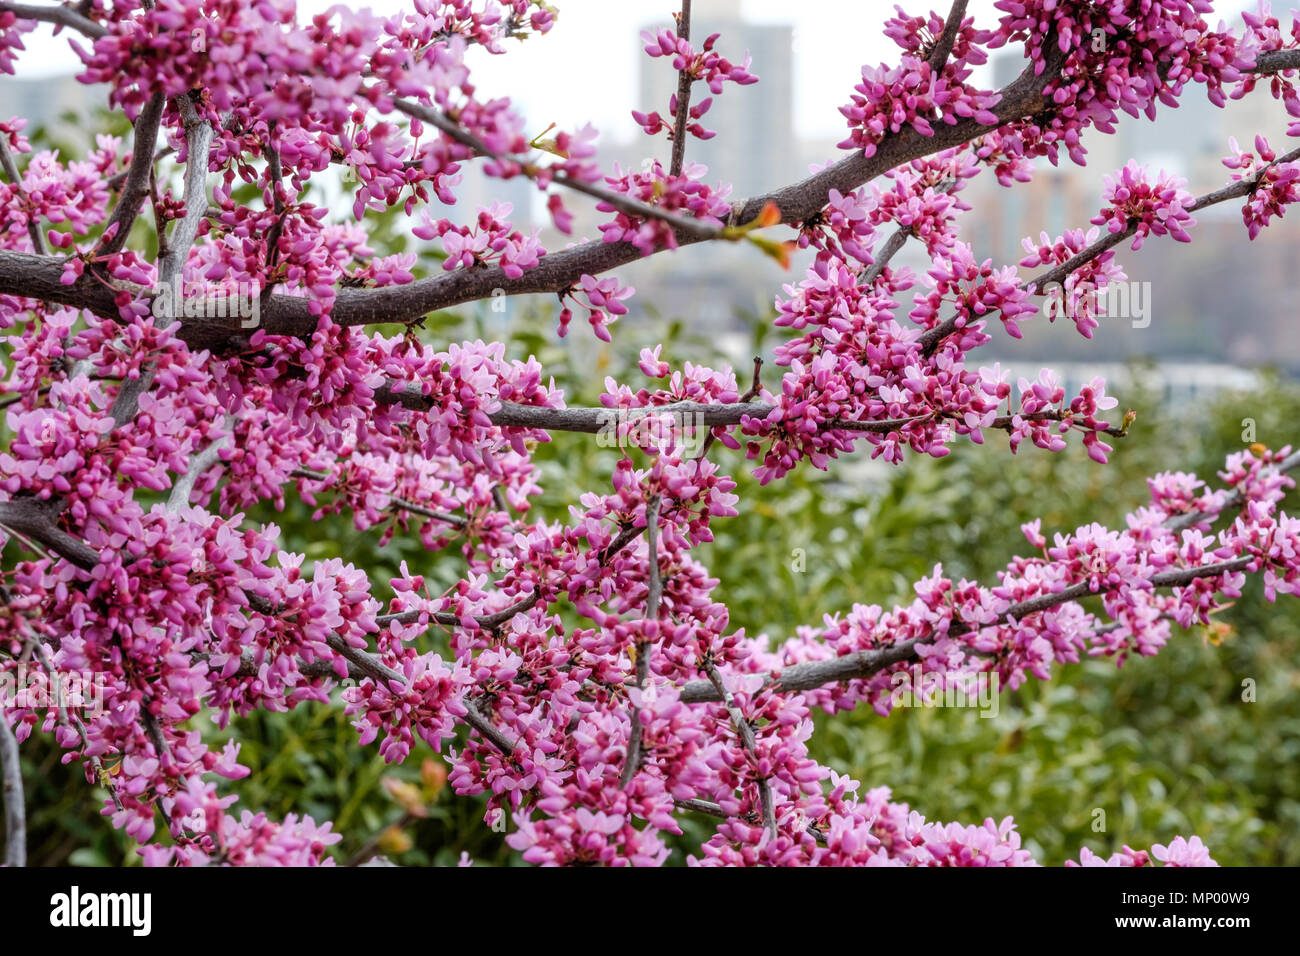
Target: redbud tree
178 357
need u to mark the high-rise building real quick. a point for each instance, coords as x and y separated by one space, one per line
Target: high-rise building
755 123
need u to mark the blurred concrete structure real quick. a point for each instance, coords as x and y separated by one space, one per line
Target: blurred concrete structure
60 104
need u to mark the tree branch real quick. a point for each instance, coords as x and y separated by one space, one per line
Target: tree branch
136 188
58 15
198 140
1244 187
894 244
14 801
747 739
395 503
592 421
643 646
184 484
684 82
621 201
70 719
1233 501
38 277
943 45
34 519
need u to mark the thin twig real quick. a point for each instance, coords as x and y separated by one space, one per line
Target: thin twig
684 82
1233 500
654 590
11 170
894 244
621 201
59 15
402 504
70 719
943 45
746 732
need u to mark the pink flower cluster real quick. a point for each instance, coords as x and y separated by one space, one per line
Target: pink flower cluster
11 38
705 65
1102 52
1151 208
655 186
1276 185
1077 296
888 99
491 239
916 93
72 195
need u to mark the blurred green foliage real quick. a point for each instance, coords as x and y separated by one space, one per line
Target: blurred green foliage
1162 746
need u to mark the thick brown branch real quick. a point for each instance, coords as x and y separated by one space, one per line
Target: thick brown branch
33 519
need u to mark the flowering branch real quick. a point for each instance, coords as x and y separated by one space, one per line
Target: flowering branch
746 732
684 225
862 664
932 337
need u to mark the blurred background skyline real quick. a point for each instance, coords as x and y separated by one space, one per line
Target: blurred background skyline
591 68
